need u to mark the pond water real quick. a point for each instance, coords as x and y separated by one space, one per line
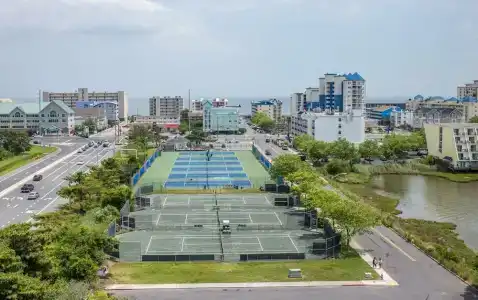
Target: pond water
437 199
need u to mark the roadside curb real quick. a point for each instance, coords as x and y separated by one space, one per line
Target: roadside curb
250 285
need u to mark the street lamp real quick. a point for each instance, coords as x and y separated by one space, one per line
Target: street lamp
208 158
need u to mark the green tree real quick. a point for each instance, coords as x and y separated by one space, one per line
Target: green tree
301 142
343 149
9 260
263 121
304 179
285 164
15 142
29 247
395 146
196 137
91 124
473 119
353 217
317 151
22 287
369 149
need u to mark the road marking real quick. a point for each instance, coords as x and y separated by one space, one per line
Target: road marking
387 240
292 241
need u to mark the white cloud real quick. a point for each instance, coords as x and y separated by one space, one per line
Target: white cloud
86 15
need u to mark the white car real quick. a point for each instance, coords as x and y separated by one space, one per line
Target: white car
33 195
80 151
79 162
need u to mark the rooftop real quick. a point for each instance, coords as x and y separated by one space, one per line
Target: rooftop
266 102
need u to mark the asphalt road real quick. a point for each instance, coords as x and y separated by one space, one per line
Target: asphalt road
14 206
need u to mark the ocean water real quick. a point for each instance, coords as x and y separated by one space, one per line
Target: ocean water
140 105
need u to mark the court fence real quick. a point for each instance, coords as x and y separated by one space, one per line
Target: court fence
218 184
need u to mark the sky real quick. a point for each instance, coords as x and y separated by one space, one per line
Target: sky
235 47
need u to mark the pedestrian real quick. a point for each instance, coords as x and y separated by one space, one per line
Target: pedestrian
374 262
380 262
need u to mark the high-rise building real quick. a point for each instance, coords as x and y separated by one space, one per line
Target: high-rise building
166 107
338 92
272 108
82 95
198 105
467 90
335 110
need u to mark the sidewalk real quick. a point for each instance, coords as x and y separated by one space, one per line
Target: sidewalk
248 285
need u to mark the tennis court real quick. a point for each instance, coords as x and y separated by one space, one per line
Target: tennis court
207 169
232 245
174 227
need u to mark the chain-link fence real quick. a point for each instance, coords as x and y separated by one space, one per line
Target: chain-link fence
213 184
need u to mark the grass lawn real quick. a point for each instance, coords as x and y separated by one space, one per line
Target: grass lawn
15 162
201 272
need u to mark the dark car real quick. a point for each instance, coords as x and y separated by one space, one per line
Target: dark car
37 177
27 188
268 152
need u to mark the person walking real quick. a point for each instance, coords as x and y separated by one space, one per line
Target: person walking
380 262
374 262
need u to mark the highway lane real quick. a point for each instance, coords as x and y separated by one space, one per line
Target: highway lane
15 208
29 170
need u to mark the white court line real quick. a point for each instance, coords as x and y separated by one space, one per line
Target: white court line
280 222
159 217
165 200
182 245
244 200
149 244
189 200
265 197
250 218
260 244
186 219
292 241
387 240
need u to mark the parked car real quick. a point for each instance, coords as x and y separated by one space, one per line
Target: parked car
33 196
37 177
27 188
268 152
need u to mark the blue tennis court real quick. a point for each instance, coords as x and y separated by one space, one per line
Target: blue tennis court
208 169
210 175
193 170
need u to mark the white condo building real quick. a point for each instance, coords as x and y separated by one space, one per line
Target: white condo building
468 90
272 108
166 107
83 95
198 105
334 110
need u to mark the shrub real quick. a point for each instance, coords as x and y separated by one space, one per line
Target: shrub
336 166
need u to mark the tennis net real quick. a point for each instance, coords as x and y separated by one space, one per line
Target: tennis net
219 232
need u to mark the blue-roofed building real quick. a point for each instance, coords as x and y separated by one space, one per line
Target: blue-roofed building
339 92
468 105
382 114
271 107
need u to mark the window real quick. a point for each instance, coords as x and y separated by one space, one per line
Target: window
340 132
17 115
